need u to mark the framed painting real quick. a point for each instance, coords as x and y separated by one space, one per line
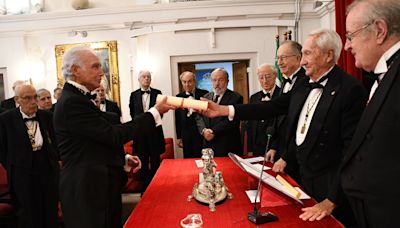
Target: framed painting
108 53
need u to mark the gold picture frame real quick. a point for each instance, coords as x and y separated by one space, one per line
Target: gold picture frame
108 54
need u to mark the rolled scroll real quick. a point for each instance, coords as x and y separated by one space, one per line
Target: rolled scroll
181 102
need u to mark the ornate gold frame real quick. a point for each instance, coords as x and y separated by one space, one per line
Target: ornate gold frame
109 46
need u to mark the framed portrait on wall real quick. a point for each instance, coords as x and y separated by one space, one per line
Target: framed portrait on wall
107 51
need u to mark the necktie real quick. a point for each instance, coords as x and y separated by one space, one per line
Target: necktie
143 92
91 96
317 85
216 98
31 119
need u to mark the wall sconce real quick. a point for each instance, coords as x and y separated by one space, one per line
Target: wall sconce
319 4
75 33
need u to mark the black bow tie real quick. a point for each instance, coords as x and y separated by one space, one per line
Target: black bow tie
31 119
266 95
286 80
102 102
373 76
145 91
317 85
91 96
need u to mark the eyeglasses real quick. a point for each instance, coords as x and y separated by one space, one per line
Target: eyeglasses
266 76
29 98
350 36
283 57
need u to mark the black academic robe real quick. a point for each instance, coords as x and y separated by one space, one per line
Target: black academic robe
256 130
33 175
372 161
92 178
332 127
186 128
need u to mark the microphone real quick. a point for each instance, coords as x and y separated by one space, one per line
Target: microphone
255 216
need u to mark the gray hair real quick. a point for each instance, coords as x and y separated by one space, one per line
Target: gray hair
272 67
326 40
222 70
41 91
185 73
294 46
387 10
73 58
142 72
19 88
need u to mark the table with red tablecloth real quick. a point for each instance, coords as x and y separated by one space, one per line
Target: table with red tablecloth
165 203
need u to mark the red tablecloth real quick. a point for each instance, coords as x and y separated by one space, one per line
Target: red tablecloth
165 203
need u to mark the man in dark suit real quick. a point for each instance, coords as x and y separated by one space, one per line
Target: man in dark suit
44 100
105 104
288 57
29 153
188 136
92 177
372 161
10 103
220 134
322 114
149 148
256 130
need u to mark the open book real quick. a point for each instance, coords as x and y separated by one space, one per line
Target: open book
278 183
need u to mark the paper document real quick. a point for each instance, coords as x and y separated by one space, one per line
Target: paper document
255 159
252 195
259 166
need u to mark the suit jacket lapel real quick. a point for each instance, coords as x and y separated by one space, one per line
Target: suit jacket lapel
298 98
372 109
153 97
139 101
328 96
21 127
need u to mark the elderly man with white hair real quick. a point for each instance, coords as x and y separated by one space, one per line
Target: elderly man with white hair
92 177
322 113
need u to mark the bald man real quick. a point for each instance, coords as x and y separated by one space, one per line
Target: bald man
29 153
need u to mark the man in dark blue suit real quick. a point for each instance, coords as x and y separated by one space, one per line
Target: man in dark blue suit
188 136
322 114
372 161
92 177
150 147
28 151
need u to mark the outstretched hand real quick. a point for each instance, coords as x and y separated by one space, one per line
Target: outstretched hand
318 211
214 109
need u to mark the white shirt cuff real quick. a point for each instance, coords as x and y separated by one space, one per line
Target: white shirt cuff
127 168
156 115
231 114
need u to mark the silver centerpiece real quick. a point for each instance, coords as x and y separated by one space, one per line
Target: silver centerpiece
211 188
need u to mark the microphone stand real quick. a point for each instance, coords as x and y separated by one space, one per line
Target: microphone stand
255 216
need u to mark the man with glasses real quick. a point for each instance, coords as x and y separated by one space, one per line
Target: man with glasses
289 57
256 131
322 114
372 161
28 151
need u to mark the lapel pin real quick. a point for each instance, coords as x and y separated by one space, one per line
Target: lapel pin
333 92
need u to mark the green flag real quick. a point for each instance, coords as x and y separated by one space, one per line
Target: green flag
276 59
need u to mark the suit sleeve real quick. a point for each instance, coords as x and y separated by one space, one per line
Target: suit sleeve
352 110
86 121
132 105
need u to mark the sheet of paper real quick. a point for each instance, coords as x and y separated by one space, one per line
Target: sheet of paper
255 159
259 166
252 195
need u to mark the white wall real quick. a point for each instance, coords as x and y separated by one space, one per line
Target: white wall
29 53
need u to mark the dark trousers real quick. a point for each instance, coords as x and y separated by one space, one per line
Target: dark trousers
192 145
35 198
150 158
